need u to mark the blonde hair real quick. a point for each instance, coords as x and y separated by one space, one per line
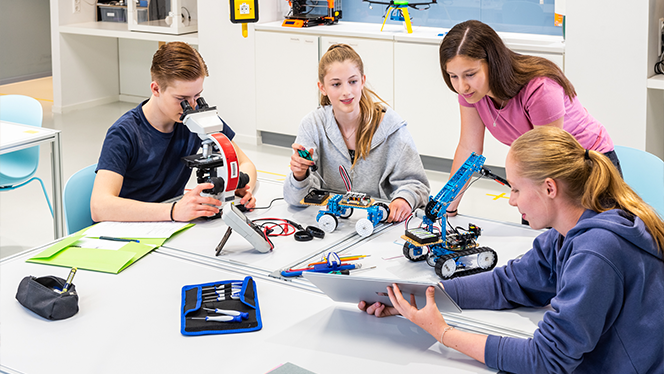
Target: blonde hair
590 178
370 110
177 61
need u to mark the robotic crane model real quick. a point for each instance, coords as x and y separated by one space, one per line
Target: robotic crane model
217 163
456 253
342 206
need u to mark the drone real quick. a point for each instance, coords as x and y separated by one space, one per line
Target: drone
398 10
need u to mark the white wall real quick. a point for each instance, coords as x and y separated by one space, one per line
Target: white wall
24 22
607 59
231 60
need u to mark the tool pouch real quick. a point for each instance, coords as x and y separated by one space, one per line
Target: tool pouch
42 296
238 295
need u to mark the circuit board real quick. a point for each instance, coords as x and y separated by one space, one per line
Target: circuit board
356 199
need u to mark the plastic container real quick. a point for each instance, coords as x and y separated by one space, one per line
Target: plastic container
142 15
113 14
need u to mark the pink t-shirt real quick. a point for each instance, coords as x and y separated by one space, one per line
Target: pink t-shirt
541 102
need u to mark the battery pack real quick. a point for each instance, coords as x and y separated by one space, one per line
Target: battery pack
316 197
422 236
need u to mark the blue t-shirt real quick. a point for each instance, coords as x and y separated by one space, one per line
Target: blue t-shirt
149 160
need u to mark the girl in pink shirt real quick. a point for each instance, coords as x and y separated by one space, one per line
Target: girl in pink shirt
509 94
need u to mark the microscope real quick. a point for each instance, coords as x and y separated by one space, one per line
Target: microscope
217 163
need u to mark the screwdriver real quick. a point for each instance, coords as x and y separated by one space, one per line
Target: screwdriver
220 318
229 312
234 296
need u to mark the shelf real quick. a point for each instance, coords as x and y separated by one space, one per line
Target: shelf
345 29
119 30
656 82
423 35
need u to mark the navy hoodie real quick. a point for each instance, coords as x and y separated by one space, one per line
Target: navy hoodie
605 284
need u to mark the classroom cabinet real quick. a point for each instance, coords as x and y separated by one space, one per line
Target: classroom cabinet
405 73
286 76
424 101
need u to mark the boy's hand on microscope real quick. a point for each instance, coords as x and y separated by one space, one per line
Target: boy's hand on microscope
300 165
193 205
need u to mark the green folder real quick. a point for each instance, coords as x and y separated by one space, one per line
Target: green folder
110 261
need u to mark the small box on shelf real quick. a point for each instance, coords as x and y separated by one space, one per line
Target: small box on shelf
112 13
163 16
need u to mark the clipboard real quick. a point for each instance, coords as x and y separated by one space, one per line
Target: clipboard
351 289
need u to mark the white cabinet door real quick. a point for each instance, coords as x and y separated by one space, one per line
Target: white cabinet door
424 100
286 76
378 59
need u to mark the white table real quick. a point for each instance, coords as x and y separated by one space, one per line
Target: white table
14 137
386 259
202 239
130 323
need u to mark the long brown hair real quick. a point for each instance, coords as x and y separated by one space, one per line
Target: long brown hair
370 110
177 61
508 71
592 181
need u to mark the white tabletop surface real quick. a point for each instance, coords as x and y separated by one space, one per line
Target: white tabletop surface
130 323
385 250
203 238
14 136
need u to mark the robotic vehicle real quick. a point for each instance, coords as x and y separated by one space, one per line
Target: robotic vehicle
342 206
455 252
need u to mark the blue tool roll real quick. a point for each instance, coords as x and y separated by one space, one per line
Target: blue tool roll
216 300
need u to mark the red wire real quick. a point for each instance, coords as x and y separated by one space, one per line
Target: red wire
286 226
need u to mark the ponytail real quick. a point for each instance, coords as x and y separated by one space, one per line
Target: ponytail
590 177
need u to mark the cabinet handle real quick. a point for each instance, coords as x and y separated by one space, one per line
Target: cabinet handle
294 39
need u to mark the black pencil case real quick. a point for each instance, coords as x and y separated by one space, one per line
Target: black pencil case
201 301
42 296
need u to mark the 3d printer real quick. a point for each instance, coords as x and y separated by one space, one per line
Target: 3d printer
306 13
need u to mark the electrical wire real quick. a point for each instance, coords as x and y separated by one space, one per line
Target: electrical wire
268 207
659 65
287 227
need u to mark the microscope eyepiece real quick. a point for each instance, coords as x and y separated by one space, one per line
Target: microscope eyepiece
185 105
201 103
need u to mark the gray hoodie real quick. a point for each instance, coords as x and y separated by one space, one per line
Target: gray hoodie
392 169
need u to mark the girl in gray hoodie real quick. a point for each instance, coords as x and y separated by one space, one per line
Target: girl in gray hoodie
353 130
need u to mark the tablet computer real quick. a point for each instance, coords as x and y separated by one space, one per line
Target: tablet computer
350 289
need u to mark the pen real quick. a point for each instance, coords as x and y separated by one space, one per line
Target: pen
220 318
119 239
298 272
347 258
70 278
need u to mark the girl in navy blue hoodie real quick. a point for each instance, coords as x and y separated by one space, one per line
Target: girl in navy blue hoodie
600 268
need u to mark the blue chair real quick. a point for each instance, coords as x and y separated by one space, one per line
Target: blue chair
76 199
644 172
18 168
